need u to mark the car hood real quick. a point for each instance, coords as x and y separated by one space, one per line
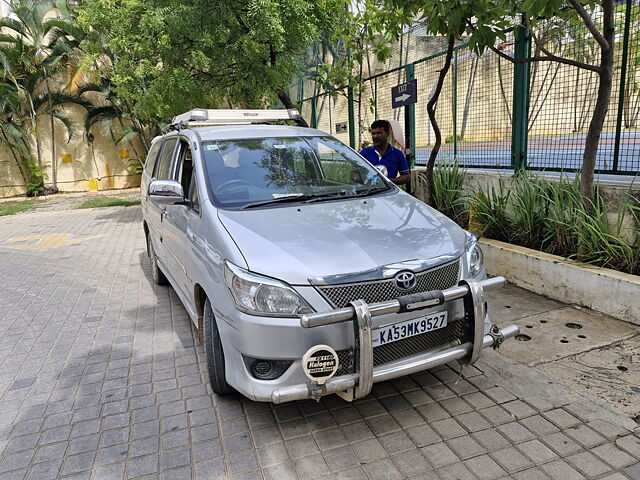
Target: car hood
298 242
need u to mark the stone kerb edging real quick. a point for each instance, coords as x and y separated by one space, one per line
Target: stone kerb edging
601 289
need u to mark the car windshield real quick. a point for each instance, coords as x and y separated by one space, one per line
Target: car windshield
263 171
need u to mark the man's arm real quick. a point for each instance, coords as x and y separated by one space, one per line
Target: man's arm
404 177
403 169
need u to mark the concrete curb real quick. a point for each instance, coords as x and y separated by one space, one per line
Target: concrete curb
113 192
600 289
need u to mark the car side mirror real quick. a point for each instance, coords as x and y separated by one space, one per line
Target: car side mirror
166 192
382 169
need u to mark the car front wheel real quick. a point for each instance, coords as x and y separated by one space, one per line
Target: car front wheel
156 274
215 354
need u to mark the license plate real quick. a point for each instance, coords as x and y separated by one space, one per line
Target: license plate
409 328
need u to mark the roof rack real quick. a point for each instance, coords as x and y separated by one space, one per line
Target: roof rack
202 117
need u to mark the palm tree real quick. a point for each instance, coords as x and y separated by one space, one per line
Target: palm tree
44 45
15 116
13 130
115 121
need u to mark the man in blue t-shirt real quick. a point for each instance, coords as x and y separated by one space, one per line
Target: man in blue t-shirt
383 153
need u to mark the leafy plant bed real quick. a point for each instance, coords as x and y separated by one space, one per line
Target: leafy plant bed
549 215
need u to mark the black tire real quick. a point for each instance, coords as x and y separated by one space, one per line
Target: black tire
215 354
156 274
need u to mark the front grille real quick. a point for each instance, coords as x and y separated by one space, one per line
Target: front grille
405 348
439 278
345 362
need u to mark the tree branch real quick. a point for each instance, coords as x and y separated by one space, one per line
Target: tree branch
589 24
536 40
548 58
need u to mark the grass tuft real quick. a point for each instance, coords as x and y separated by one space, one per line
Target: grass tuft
11 208
98 202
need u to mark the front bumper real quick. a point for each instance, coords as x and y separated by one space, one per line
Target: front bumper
359 384
388 371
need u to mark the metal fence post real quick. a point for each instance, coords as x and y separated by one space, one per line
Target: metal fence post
352 118
410 73
375 98
455 105
623 82
314 112
520 120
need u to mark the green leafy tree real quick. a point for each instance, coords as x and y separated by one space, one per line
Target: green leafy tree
478 20
484 21
173 56
362 35
598 17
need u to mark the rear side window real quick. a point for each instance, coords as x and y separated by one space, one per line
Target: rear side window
151 157
163 166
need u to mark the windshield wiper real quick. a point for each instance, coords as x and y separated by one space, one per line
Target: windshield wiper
289 198
371 191
311 198
347 194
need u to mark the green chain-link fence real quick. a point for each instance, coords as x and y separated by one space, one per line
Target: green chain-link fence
493 114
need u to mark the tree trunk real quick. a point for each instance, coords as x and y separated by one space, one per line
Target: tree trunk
605 78
431 111
34 127
54 166
288 103
21 169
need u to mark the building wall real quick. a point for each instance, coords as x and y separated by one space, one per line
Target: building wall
77 160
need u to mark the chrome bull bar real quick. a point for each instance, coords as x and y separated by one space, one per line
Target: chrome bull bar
473 294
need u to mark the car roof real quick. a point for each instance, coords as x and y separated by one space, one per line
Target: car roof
232 132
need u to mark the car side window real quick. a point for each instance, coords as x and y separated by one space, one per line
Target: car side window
152 157
194 195
185 165
162 169
186 177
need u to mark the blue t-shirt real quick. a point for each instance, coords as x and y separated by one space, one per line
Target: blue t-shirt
393 159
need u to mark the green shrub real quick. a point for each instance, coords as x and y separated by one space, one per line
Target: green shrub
448 195
35 178
491 211
553 217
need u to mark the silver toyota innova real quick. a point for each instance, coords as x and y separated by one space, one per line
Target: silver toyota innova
305 270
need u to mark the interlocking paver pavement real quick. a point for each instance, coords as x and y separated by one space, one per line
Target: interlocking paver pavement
101 377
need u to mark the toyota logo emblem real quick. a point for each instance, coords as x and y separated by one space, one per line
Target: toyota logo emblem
405 281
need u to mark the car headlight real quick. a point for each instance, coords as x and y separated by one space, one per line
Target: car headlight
474 255
260 295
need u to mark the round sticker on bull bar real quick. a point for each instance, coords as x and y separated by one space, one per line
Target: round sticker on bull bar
320 363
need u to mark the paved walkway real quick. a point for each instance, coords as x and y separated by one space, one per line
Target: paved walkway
100 377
